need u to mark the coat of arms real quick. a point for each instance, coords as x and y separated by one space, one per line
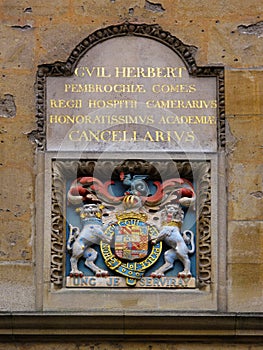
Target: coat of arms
130 231
131 240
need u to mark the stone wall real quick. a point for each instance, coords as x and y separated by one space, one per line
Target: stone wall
127 346
228 33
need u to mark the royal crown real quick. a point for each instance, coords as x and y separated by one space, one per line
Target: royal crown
132 215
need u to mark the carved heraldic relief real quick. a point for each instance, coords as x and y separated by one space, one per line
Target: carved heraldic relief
131 127
137 229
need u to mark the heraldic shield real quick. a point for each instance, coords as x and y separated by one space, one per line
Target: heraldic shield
131 241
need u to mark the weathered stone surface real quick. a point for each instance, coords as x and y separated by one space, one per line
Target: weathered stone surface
18 53
246 147
17 287
244 181
244 92
252 29
21 86
245 242
7 106
17 190
17 158
245 287
90 8
61 45
220 9
17 245
238 51
27 9
129 346
16 196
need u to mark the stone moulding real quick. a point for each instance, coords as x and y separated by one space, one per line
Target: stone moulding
68 169
50 326
155 32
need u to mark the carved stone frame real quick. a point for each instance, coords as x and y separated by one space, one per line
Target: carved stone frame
53 169
51 244
63 169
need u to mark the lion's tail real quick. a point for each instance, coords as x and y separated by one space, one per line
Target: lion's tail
189 240
73 234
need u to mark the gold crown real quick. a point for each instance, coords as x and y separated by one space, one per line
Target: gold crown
132 215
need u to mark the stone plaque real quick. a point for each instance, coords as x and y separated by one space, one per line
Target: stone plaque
131 127
131 93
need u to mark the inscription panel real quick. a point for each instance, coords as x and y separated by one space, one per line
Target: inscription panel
131 93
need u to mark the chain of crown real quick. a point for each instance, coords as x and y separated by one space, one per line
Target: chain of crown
132 215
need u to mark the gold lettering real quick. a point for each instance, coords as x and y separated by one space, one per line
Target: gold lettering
211 119
134 137
71 137
168 88
106 88
163 120
103 133
189 104
92 134
53 119
112 104
196 119
99 72
65 103
100 119
125 72
149 72
159 136
148 136
178 136
190 137
213 104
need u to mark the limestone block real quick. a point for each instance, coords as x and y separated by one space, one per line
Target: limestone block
245 242
246 147
17 287
21 87
219 9
244 92
17 46
35 8
16 244
245 193
16 210
17 188
240 50
183 28
16 149
245 291
95 8
55 45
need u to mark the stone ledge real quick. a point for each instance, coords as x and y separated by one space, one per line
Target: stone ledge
189 326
